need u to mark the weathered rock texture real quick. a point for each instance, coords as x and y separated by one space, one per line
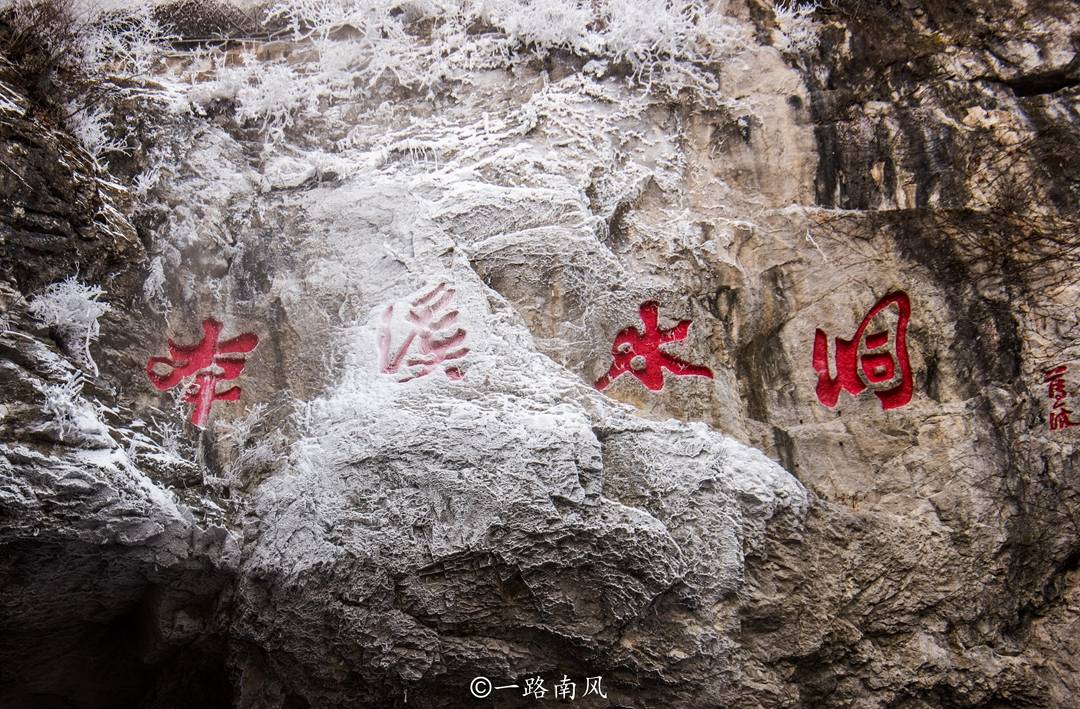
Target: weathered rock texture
339 537
105 576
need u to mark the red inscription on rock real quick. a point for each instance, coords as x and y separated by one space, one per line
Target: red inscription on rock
1054 379
434 332
208 363
878 361
639 353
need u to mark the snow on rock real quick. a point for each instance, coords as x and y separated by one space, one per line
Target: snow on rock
513 505
487 514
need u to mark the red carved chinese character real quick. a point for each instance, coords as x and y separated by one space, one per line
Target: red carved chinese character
437 344
209 362
1055 382
1055 372
1060 420
884 365
639 352
1055 389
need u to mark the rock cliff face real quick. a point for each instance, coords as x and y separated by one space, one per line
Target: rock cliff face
699 348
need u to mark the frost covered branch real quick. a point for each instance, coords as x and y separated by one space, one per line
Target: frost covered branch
798 28
369 47
82 56
72 309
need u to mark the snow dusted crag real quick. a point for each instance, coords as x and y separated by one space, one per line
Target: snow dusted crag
507 522
358 354
87 532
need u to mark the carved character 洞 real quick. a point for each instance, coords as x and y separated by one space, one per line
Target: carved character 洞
876 361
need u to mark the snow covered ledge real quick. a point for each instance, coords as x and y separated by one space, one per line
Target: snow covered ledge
494 516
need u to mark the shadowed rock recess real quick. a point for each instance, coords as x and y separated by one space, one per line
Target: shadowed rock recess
509 329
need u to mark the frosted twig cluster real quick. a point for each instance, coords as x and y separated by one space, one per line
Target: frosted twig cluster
72 309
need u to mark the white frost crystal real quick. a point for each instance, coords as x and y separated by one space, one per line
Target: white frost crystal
72 309
798 28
